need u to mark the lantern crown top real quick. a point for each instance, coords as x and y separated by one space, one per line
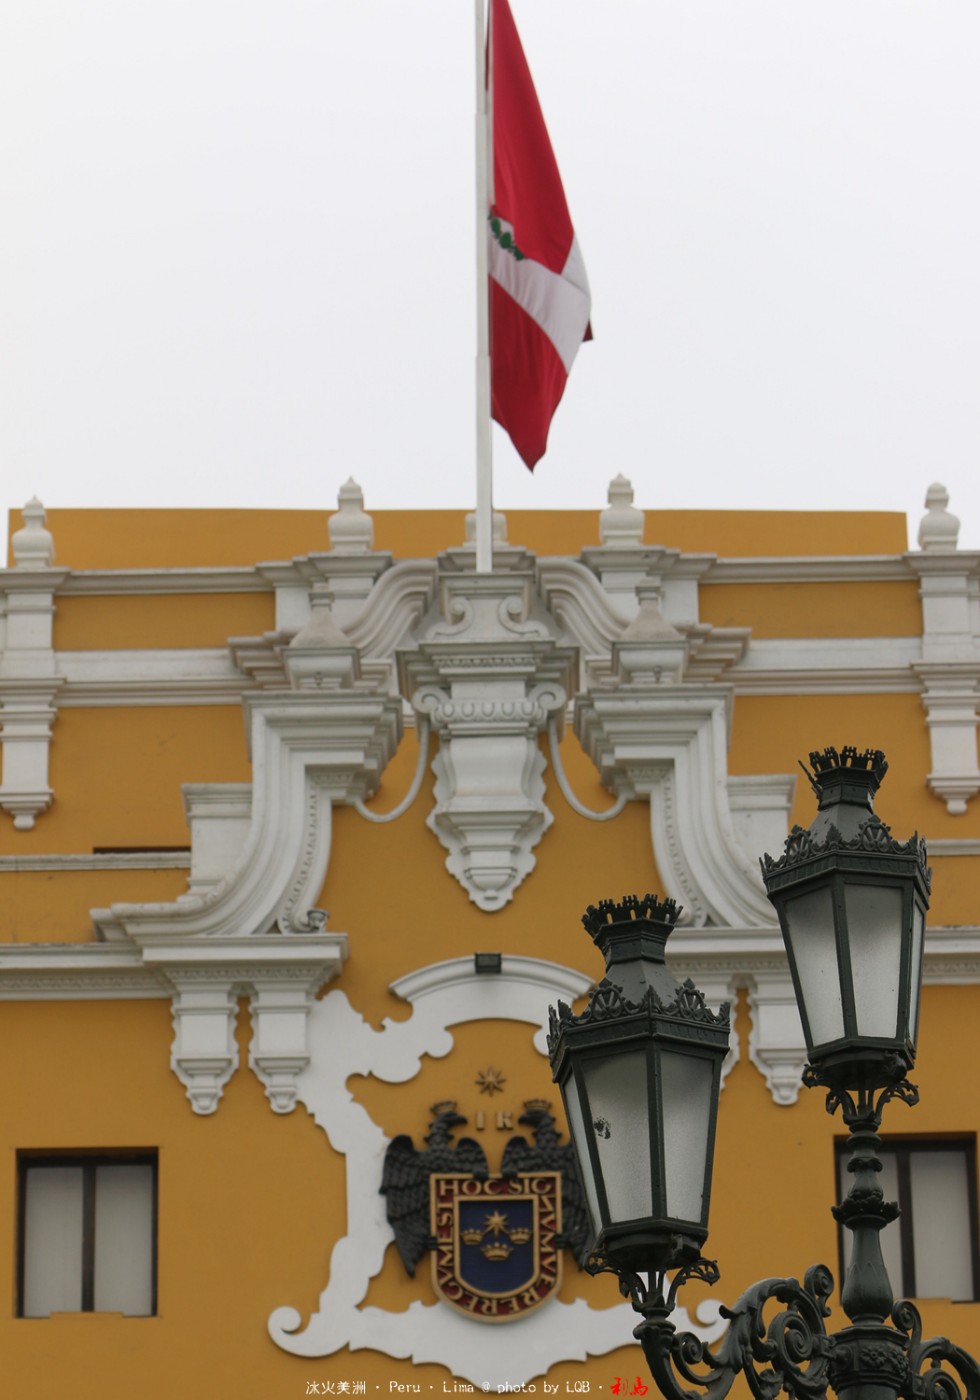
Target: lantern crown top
598 918
846 775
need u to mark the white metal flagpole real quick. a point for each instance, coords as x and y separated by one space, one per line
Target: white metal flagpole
484 455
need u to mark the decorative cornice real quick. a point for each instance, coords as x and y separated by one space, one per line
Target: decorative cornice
79 971
842 568
148 582
166 676
76 972
940 846
828 665
112 860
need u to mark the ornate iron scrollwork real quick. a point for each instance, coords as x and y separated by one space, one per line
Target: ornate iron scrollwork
790 1351
935 1383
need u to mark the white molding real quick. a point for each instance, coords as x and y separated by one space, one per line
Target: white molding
77 972
836 568
115 860
342 1044
815 665
514 994
668 743
150 582
952 846
164 676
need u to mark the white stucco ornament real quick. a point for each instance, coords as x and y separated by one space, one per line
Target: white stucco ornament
342 1044
487 672
939 529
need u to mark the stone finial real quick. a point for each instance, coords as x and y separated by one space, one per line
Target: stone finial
499 528
621 523
321 630
351 529
939 529
32 544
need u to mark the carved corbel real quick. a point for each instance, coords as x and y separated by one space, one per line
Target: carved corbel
280 975
776 1044
204 1054
488 671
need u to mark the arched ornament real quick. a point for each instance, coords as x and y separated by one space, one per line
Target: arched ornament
342 1044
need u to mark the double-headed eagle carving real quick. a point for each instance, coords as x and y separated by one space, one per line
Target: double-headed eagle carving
405 1179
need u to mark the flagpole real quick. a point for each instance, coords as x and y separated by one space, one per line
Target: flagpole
484 456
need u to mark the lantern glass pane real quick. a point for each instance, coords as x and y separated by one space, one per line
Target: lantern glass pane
619 1108
918 929
686 1085
580 1141
874 936
813 947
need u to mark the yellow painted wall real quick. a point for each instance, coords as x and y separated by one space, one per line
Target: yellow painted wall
141 539
814 609
117 622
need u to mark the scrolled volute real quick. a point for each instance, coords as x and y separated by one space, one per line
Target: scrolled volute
791 1351
927 1379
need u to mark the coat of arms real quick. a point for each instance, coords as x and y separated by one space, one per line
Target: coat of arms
495 1240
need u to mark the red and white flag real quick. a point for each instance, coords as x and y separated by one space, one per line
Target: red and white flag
539 293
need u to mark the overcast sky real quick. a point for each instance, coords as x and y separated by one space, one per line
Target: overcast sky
237 252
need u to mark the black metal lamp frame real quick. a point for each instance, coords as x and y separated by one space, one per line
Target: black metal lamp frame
777 1337
790 1349
848 845
639 1009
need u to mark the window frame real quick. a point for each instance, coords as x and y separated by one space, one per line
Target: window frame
88 1160
903 1146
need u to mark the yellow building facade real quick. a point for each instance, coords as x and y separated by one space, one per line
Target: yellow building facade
271 781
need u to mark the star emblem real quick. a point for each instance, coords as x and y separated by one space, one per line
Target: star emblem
491 1081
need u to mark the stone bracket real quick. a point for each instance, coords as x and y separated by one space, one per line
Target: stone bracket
281 976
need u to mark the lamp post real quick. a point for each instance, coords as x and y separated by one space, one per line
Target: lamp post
639 1074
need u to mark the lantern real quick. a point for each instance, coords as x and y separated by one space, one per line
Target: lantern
852 903
639 1071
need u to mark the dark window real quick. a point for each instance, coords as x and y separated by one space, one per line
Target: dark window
87 1233
930 1251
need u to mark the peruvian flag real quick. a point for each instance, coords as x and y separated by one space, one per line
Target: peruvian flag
539 293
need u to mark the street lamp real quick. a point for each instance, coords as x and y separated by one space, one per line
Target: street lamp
639 1074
